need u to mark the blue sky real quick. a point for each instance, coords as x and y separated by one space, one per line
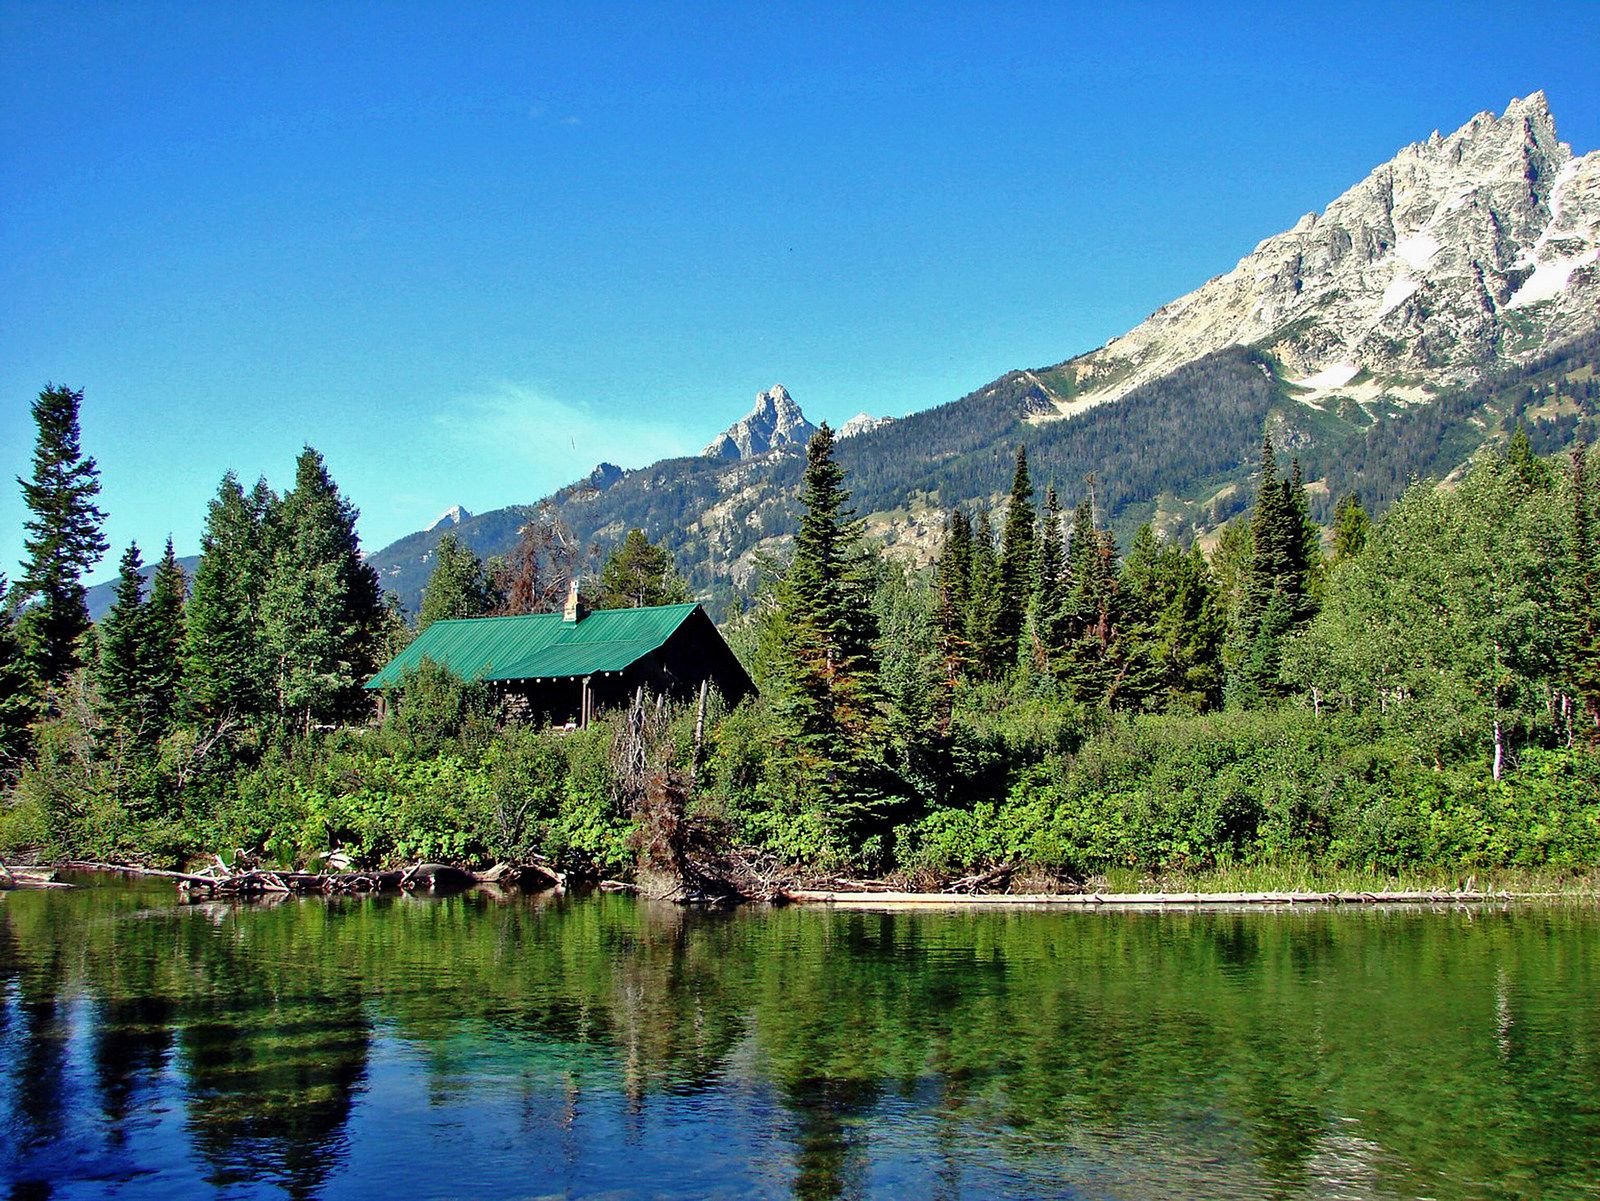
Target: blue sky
469 251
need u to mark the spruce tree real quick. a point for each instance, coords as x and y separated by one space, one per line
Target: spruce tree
1279 588
123 696
991 655
322 609
459 585
63 539
1018 563
165 641
1172 629
1047 620
1087 661
954 575
1581 637
639 574
828 703
224 661
1351 528
18 699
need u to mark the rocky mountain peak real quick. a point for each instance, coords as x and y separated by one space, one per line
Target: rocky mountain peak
775 422
1460 254
454 515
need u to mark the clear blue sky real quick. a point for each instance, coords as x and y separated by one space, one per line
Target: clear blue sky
468 251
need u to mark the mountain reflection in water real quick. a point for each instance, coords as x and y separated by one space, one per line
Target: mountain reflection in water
473 1047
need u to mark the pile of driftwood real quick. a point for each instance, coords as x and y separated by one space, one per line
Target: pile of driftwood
219 881
29 876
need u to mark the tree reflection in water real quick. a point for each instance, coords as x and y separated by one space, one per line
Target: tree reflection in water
487 1047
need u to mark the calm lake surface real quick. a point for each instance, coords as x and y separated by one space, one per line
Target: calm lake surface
468 1047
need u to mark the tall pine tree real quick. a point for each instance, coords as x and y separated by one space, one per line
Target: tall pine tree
954 575
1017 561
322 609
1047 616
829 699
1277 595
224 660
459 585
1581 640
991 654
123 696
63 540
18 700
165 640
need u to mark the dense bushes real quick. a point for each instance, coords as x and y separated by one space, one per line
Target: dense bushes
1167 794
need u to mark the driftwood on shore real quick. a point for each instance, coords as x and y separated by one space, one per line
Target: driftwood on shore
420 877
29 876
1091 900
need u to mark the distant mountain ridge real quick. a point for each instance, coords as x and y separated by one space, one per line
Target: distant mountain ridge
1453 292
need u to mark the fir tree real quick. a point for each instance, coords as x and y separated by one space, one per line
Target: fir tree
828 702
1278 594
63 540
991 655
459 586
224 661
1351 528
1582 596
1047 621
322 609
1173 629
639 574
122 683
954 575
1087 657
165 640
1017 561
18 701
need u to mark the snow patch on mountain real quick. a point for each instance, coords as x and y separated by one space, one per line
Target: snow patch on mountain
862 423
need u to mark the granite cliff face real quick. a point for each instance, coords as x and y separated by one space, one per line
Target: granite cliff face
1460 254
775 422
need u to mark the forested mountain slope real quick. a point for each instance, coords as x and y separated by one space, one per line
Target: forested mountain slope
1452 294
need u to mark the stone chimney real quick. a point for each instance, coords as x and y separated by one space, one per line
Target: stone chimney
574 610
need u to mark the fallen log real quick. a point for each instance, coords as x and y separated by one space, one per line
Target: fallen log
875 900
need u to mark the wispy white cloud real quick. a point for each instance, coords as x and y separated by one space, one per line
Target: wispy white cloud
556 440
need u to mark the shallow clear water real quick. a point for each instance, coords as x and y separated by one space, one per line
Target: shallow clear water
469 1047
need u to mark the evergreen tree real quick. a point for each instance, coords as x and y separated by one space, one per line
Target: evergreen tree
459 586
122 684
828 702
322 609
1018 555
63 540
1351 528
954 575
1277 595
18 702
166 640
224 661
1172 629
1087 659
991 655
1582 596
1048 610
639 574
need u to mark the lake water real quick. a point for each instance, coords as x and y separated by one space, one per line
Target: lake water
478 1048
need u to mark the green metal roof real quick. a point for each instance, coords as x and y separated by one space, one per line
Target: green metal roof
537 645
